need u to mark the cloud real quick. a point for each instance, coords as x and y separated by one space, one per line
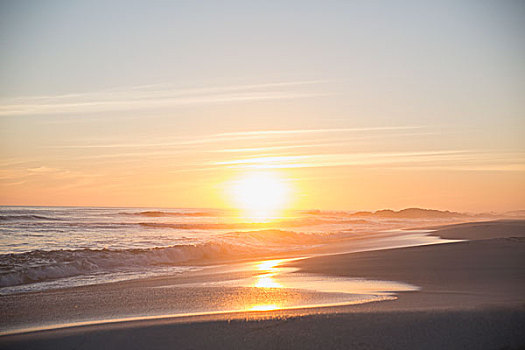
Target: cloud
316 131
274 148
247 135
445 159
154 96
22 173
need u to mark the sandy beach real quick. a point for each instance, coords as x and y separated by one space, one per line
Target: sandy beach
262 175
470 297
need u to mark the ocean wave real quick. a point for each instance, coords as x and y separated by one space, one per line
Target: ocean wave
157 213
27 217
40 265
206 226
290 223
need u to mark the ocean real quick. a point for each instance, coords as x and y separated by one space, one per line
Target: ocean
55 247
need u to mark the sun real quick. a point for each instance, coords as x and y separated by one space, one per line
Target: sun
260 196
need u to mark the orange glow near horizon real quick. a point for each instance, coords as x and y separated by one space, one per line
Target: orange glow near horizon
260 196
398 127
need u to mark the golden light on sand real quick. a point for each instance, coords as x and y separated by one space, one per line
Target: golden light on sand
260 196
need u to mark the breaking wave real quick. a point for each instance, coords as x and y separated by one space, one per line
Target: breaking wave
40 265
27 217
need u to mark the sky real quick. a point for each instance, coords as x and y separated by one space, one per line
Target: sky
355 105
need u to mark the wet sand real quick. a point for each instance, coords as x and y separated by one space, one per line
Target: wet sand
475 273
472 296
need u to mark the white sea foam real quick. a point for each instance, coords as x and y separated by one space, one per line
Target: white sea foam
40 265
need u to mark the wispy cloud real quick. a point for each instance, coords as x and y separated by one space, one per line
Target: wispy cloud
445 159
23 173
275 148
316 131
154 96
249 135
323 160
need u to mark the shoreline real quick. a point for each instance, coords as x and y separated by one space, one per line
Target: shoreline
369 241
473 279
242 275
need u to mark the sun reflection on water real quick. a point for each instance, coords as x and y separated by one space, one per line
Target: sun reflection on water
267 281
264 307
276 286
266 278
269 265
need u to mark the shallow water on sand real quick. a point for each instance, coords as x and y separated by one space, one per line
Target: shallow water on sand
267 285
271 281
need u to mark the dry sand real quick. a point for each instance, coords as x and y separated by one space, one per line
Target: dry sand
472 297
